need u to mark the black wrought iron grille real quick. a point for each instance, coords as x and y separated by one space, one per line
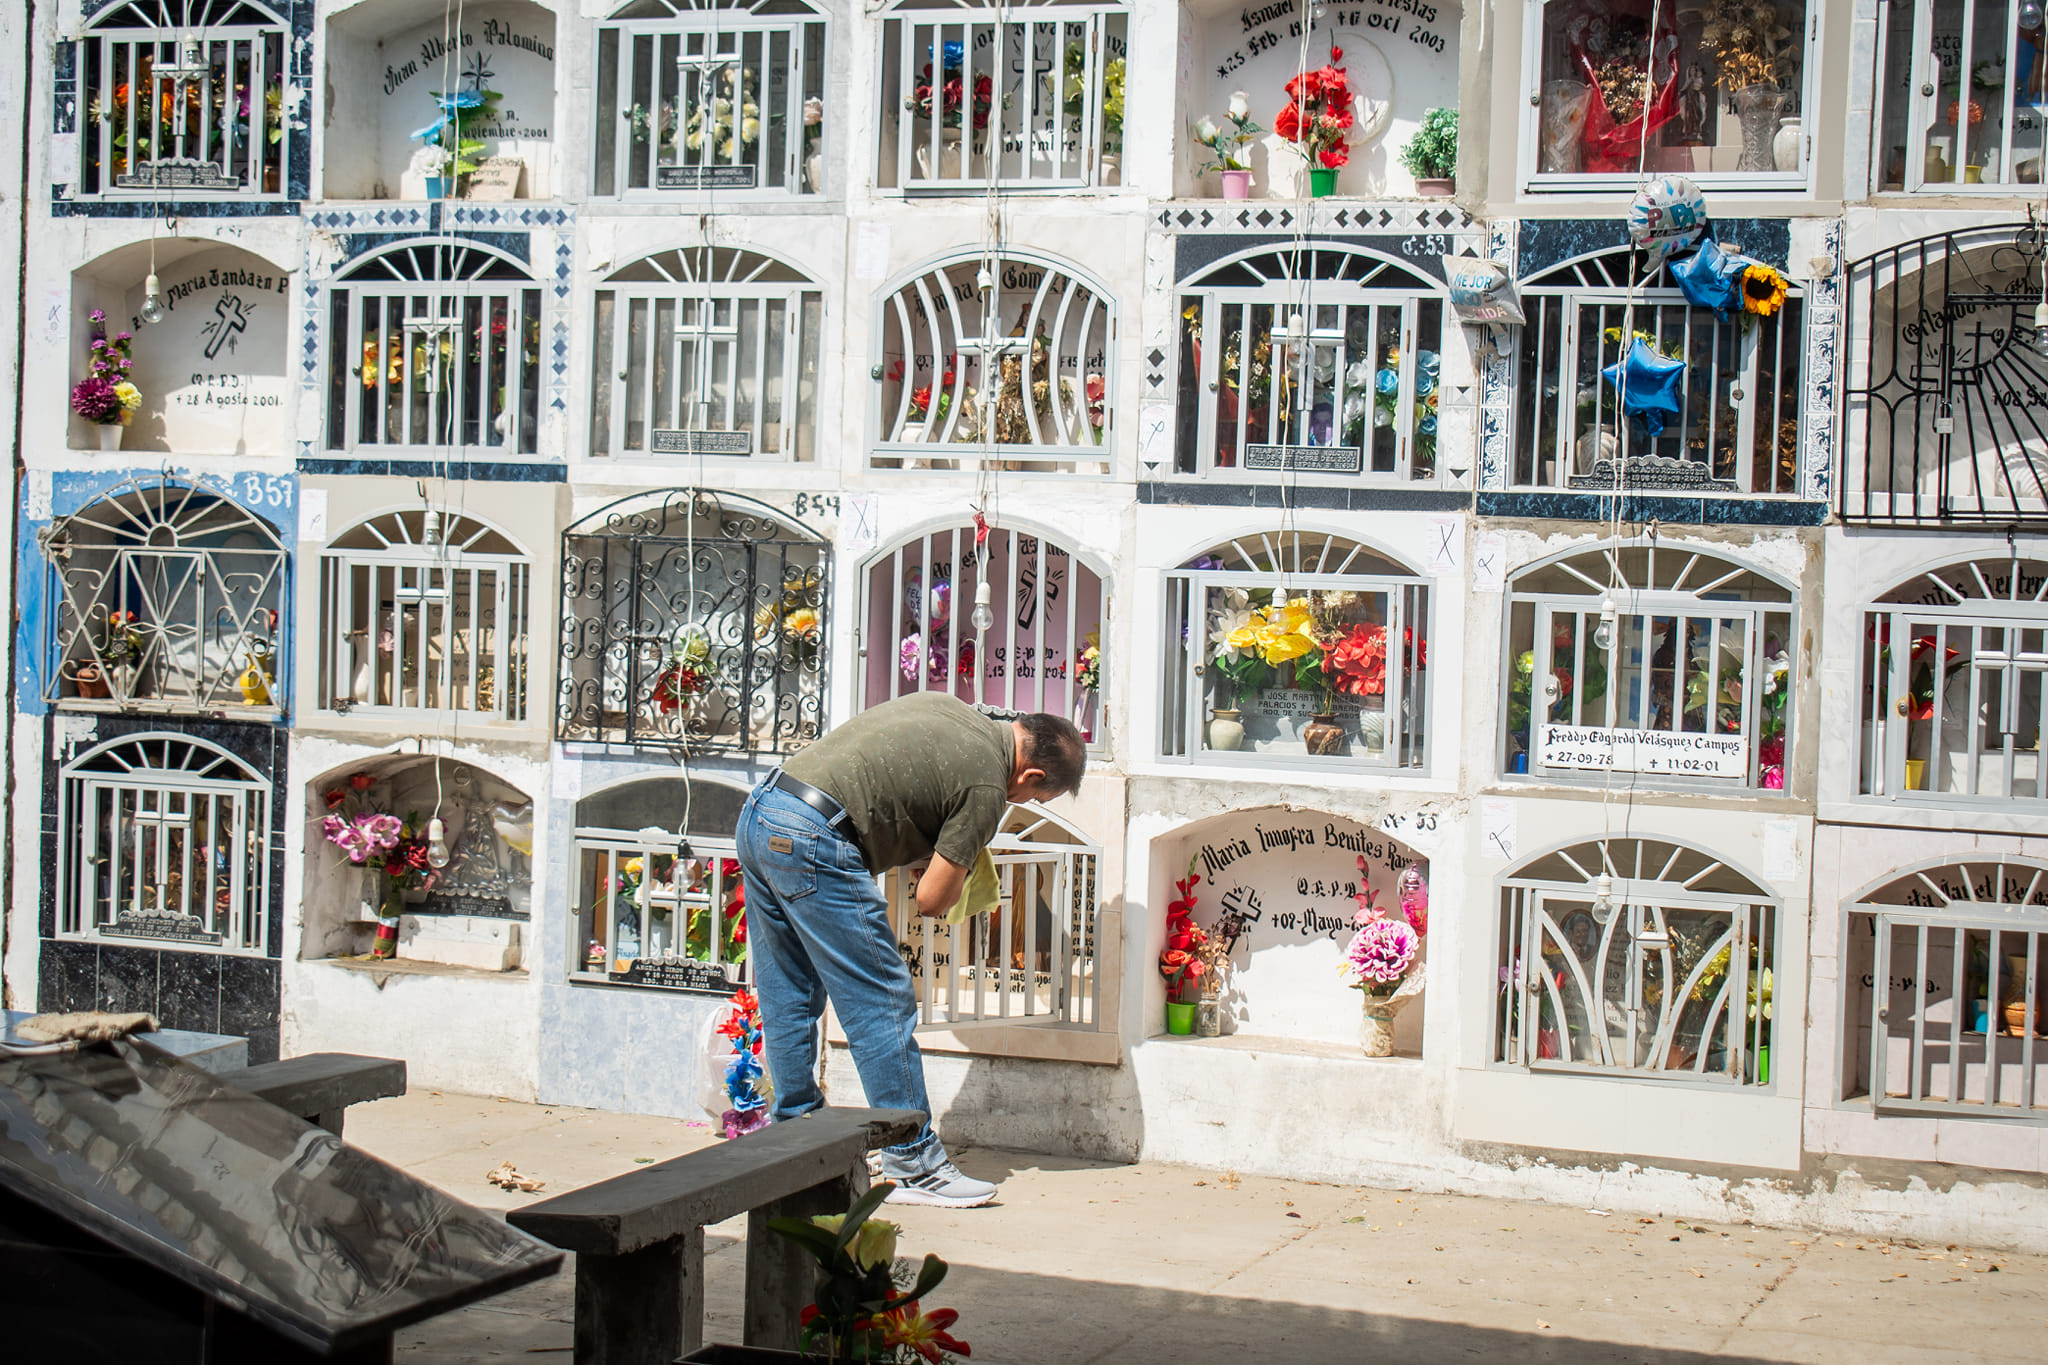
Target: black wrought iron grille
692 620
1947 393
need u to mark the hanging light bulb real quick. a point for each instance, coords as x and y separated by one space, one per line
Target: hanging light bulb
1603 898
1603 636
437 843
152 310
2030 14
2040 341
983 618
984 281
430 528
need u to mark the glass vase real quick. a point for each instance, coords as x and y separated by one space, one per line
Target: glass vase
1759 108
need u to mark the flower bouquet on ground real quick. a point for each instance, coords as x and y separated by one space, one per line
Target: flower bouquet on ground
868 1307
391 850
106 396
1382 959
742 1083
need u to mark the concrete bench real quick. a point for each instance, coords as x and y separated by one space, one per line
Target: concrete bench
320 1086
639 1237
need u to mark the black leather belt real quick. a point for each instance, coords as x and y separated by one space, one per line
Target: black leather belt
819 801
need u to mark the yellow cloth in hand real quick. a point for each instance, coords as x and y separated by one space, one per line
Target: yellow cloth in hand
982 894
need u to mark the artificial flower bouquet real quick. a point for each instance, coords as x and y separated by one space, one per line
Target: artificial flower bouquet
1318 114
743 1080
390 849
949 93
686 670
1382 956
1182 960
869 1304
1228 139
106 396
1088 672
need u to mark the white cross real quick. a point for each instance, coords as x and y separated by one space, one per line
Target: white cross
433 329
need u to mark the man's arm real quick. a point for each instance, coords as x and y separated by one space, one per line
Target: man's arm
939 888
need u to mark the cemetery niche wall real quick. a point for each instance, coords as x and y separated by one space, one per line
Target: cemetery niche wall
1280 885
1257 48
391 77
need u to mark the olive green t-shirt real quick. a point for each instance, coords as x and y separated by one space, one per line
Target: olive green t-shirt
919 775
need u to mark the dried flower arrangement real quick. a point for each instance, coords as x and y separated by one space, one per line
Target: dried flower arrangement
1752 43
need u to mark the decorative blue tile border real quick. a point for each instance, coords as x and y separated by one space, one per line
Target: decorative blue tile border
1682 511
482 471
1820 432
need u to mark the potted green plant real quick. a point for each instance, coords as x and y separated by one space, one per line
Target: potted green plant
1431 156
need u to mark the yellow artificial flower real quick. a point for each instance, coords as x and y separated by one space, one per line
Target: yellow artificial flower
801 622
1284 635
873 1245
1763 290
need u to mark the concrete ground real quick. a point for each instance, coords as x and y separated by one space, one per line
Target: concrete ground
1082 1261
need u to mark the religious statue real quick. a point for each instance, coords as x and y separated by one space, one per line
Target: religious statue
1695 103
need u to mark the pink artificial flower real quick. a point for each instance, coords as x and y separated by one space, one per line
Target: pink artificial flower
381 832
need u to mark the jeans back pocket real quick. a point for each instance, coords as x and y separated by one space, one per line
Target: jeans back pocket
786 851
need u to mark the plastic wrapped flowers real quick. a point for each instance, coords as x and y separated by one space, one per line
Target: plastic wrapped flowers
1384 949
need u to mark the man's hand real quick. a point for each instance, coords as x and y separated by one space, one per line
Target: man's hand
938 889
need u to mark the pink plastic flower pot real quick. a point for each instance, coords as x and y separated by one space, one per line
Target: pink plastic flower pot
1237 184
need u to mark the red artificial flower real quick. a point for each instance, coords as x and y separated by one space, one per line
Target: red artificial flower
1359 660
924 1333
920 401
362 782
746 1000
1174 961
334 797
1287 123
1334 157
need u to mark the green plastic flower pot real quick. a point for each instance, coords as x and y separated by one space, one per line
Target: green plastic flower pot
1322 182
1180 1018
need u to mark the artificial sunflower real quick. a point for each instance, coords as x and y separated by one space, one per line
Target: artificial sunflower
1763 290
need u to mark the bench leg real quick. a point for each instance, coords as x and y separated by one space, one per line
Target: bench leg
331 1120
643 1308
781 1277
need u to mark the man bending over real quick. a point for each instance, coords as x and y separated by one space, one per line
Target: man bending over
922 777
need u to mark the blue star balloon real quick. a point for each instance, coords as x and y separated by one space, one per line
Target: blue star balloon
1648 384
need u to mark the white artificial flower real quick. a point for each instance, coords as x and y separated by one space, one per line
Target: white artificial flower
814 112
1205 130
1240 106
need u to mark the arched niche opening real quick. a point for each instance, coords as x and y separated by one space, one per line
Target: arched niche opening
1278 890
1636 957
1945 977
389 63
471 912
212 374
658 900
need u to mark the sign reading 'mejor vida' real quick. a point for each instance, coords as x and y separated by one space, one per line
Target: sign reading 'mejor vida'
1681 754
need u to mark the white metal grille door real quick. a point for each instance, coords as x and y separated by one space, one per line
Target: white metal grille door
165 839
184 98
435 346
1946 973
726 98
424 612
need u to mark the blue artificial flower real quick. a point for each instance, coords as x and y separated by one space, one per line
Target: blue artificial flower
1427 426
451 100
1429 365
1387 381
955 55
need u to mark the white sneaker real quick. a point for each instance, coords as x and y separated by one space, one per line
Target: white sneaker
944 1186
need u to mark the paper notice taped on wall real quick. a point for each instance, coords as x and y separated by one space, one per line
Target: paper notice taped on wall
1781 850
860 522
1489 562
1497 829
312 514
871 252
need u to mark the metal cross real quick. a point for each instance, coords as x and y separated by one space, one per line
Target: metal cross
433 329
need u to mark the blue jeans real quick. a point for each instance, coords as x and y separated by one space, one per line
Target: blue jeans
817 926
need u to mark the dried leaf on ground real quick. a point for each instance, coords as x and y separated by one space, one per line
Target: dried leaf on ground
507 1176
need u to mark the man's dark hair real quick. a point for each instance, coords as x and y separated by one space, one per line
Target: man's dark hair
1051 743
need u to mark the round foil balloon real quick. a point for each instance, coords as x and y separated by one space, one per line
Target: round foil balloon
939 603
1668 217
913 597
